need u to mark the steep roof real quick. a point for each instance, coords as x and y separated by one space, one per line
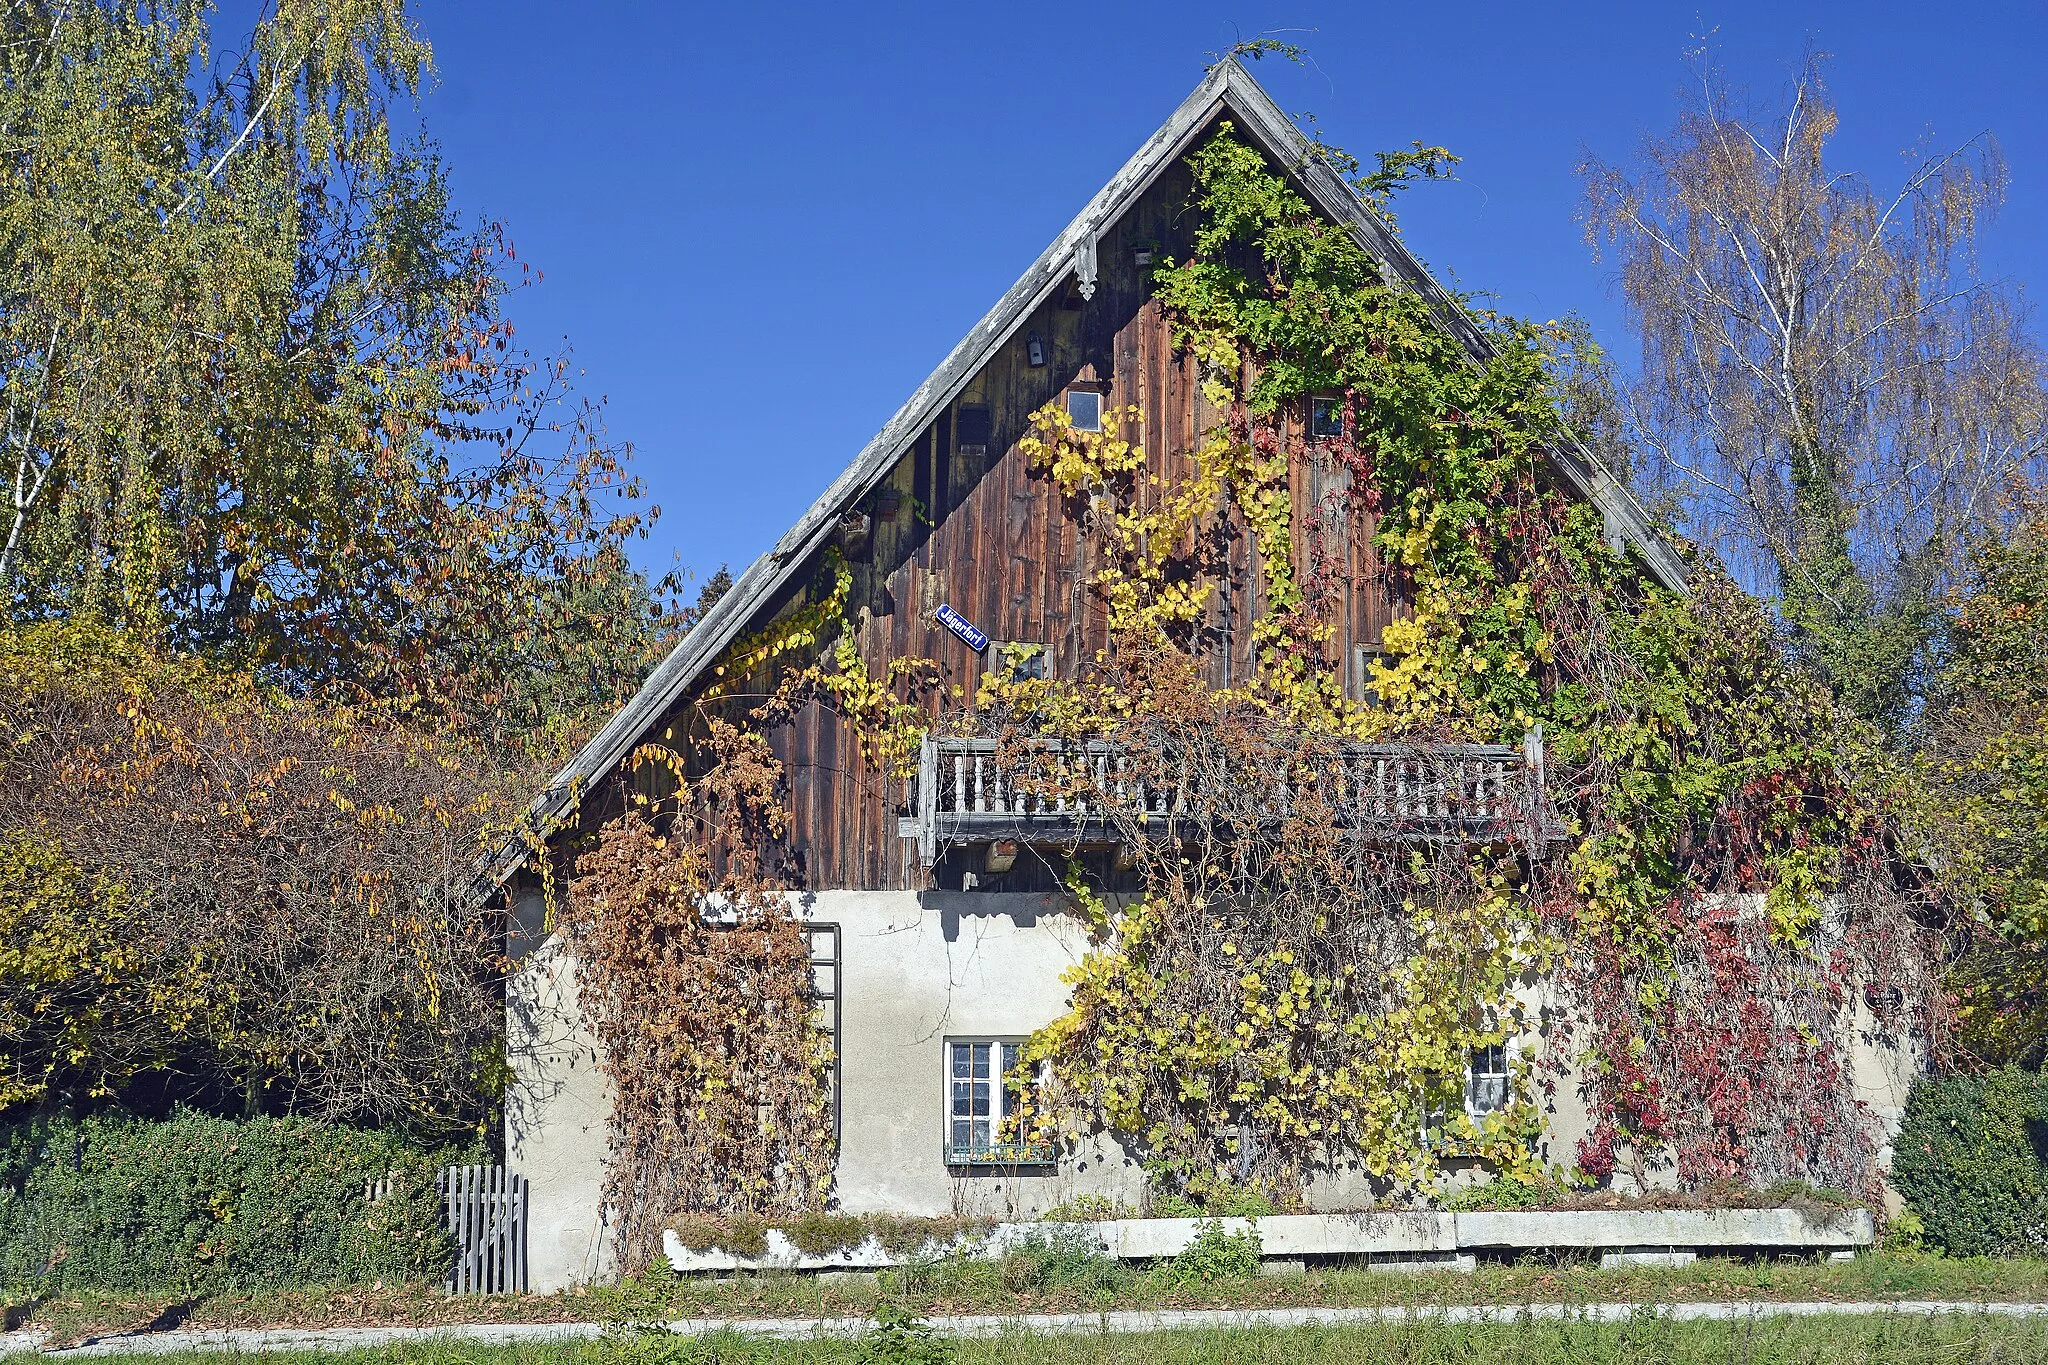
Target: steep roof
1227 89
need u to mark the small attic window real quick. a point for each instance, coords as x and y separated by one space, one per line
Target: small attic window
1022 661
1084 409
1326 418
973 427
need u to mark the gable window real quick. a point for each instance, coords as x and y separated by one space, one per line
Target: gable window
1084 409
981 1100
973 427
1360 685
1021 661
1486 1079
1326 418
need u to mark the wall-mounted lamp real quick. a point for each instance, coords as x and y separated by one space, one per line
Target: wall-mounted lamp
1142 256
1034 351
1002 856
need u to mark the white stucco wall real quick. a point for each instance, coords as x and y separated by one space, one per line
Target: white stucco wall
922 967
917 968
556 1108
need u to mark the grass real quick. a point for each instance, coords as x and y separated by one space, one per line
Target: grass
1949 1340
1057 1279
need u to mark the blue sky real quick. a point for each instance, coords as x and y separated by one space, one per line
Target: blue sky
762 225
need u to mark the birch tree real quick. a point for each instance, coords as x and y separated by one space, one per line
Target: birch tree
258 391
1839 399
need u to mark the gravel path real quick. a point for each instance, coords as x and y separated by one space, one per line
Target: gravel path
256 1339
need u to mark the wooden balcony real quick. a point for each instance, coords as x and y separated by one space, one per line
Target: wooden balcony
1059 793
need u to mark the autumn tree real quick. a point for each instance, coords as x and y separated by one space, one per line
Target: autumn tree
1980 764
218 893
1836 394
261 394
307 568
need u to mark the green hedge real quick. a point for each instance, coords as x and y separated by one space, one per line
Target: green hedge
197 1204
1971 1160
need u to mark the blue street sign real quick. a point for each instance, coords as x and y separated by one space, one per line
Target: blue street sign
962 627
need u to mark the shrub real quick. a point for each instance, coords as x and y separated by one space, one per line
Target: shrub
1062 1256
653 1344
197 1204
1969 1160
1207 1197
1504 1192
903 1236
1167 1204
900 1337
216 891
819 1234
1216 1254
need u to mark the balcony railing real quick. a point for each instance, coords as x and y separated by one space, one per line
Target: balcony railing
1053 792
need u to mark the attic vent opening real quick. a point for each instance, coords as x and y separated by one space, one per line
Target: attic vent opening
1084 409
973 426
1326 418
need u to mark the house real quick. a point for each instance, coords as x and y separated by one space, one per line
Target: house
939 934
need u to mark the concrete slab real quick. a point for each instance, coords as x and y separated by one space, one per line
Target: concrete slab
1619 1229
1667 1258
1398 1235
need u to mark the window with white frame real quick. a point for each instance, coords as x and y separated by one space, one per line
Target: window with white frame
1487 1080
825 966
1084 409
1489 1085
982 1098
1326 418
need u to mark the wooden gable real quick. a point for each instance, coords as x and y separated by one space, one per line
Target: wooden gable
981 532
942 508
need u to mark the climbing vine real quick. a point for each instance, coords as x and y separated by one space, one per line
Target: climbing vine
1277 993
696 977
692 960
1277 999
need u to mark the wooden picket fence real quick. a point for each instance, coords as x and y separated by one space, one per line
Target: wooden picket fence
487 1217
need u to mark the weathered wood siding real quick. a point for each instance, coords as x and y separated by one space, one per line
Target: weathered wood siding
998 542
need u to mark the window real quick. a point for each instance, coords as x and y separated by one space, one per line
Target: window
1084 409
1489 1085
1326 418
973 427
980 1101
1360 684
1021 661
825 965
1486 1079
